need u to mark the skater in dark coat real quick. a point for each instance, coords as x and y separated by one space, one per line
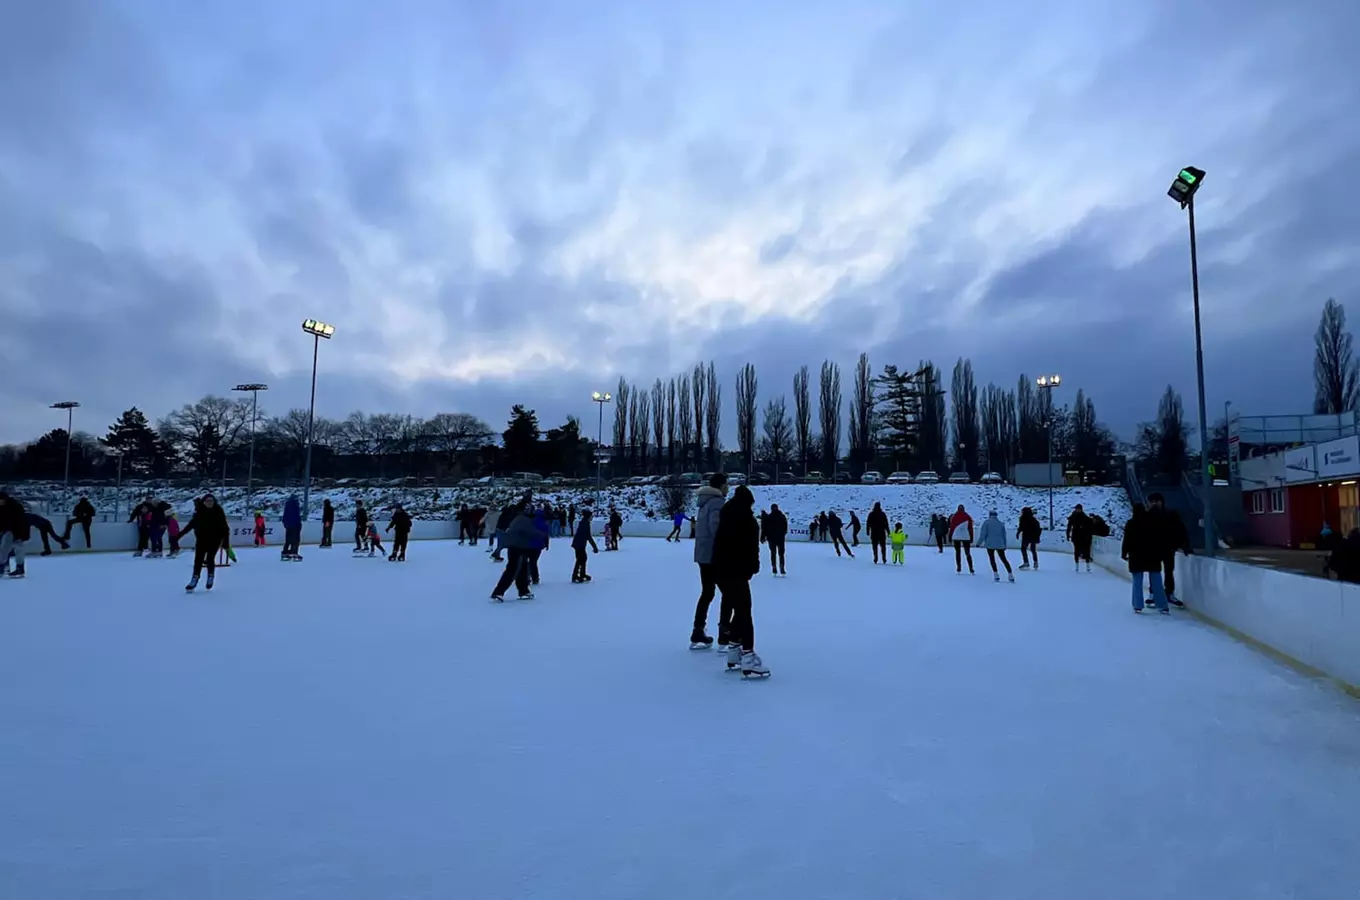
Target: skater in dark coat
360 525
327 522
463 517
579 541
82 515
1173 536
44 529
812 530
854 529
518 541
401 524
14 532
156 524
615 528
503 522
1142 549
710 500
834 525
821 526
292 528
877 522
939 530
775 531
1080 532
1344 561
1028 532
141 515
736 560
211 533
543 525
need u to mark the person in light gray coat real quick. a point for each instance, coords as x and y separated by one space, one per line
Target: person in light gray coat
711 500
992 537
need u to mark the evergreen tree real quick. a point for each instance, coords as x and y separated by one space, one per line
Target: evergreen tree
829 414
520 440
1335 370
747 387
802 418
132 437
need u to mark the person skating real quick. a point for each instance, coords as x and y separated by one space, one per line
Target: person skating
172 533
1173 537
562 520
812 530
44 529
504 520
992 538
360 526
710 500
834 525
939 530
14 533
463 518
615 528
261 526
327 522
1028 532
571 518
854 529
477 518
579 541
141 515
1142 549
899 545
677 522
211 533
877 523
961 536
821 526
774 534
83 515
373 540
543 524
519 538
292 529
155 525
736 560
401 524
1080 533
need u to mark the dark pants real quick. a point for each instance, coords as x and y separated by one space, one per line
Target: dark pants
1169 573
399 544
84 526
326 529
674 535
879 542
776 554
838 541
174 541
708 586
532 563
143 537
1081 548
993 554
1028 547
462 532
516 572
854 535
205 553
961 549
737 596
578 571
292 537
157 536
939 542
359 532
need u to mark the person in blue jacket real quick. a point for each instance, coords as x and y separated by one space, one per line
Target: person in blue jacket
579 542
541 543
292 528
677 520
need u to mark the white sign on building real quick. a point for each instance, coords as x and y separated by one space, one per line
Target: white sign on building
1337 459
1300 464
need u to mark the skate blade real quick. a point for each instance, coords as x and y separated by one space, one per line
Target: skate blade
700 646
747 674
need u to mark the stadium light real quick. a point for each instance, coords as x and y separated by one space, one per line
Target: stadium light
254 390
70 407
318 331
601 400
1048 383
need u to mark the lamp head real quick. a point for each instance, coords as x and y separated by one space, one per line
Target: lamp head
65 404
251 387
318 329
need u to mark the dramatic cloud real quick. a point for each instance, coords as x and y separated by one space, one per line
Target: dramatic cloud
518 201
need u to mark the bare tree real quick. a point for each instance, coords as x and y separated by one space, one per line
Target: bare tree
713 419
658 420
746 413
966 439
203 433
454 433
778 433
672 407
644 426
829 414
621 422
700 390
1335 372
862 415
802 417
686 414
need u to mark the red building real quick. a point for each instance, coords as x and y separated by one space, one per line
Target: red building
1288 496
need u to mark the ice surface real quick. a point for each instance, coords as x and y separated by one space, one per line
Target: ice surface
350 728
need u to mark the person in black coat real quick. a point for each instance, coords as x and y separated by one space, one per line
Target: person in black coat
939 530
519 541
774 533
211 533
1142 548
1344 561
14 532
835 526
736 559
463 516
360 525
1081 532
579 541
327 522
1173 537
141 514
855 527
504 520
43 527
82 515
877 523
1028 532
401 524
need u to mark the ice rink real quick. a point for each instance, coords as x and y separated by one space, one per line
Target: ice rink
351 728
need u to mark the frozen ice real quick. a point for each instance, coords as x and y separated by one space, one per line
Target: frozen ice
352 728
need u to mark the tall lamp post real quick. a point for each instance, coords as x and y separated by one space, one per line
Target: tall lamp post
600 400
1183 190
254 390
69 406
317 330
1048 383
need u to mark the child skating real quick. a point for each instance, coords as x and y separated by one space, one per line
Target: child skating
259 528
899 545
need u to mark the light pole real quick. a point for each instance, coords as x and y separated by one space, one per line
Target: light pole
1183 191
1048 383
600 400
254 390
69 406
317 330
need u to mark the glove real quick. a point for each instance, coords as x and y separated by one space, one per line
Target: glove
231 554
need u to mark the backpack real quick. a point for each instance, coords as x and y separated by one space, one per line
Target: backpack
1099 527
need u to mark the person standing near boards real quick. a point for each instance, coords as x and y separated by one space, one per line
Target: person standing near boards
775 531
992 537
710 500
877 523
961 535
1028 533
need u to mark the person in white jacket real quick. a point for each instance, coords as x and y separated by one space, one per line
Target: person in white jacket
992 537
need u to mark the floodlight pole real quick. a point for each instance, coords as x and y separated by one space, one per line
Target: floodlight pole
70 407
600 400
311 417
1210 541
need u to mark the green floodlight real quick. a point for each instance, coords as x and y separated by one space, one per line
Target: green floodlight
1187 182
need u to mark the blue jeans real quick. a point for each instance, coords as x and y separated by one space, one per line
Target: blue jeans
157 536
1154 584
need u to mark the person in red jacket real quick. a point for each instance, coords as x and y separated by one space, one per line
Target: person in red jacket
961 534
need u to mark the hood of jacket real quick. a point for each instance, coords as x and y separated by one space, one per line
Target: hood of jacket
743 497
707 493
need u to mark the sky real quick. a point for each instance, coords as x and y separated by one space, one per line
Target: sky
502 202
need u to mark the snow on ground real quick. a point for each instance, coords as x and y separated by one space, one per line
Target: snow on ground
913 504
350 728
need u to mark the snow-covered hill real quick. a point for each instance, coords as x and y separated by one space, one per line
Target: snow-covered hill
911 504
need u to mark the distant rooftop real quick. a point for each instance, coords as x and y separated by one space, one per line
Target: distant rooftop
1284 431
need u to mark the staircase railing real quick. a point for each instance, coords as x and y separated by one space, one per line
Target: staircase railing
1132 485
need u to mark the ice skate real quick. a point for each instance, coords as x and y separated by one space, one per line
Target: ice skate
45 553
1088 567
1010 577
1165 612
699 641
497 598
173 554
1024 567
401 558
1137 611
18 572
1171 598
752 666
527 595
996 576
193 583
136 554
207 585
392 557
1077 568
733 657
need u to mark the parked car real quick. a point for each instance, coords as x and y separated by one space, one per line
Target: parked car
690 479
959 478
871 477
814 478
928 477
788 478
842 478
899 478
991 478
760 478
736 478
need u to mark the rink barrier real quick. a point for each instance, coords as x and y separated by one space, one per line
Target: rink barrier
1310 624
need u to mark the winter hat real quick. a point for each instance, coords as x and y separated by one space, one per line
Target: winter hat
742 496
992 513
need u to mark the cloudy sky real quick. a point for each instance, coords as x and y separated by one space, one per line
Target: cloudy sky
521 200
